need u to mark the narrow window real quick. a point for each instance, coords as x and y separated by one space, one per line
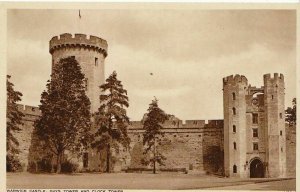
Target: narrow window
272 97
234 111
85 159
281 149
281 133
255 146
86 83
254 118
280 115
233 96
234 145
234 128
96 61
234 168
255 132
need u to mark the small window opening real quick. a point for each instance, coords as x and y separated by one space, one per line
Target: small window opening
234 129
233 96
234 145
272 96
255 146
96 61
280 115
254 118
234 169
255 132
281 133
234 111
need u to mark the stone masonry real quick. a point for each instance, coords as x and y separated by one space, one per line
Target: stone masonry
249 142
254 127
90 53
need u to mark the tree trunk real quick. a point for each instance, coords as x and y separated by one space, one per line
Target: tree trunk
154 158
108 158
36 166
58 163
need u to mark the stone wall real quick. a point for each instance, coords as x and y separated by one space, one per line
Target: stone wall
290 150
25 134
195 146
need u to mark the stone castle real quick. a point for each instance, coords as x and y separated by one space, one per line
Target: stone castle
250 141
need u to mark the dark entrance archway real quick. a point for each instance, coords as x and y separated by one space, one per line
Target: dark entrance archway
256 169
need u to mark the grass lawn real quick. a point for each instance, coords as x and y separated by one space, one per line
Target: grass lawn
135 181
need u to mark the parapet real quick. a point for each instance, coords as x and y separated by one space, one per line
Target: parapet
219 123
194 123
172 123
29 110
255 90
81 40
135 125
232 80
276 77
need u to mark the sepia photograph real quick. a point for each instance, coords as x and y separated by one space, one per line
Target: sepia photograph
150 97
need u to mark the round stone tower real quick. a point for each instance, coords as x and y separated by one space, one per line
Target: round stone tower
234 101
90 54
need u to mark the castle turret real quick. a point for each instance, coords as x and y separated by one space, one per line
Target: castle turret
275 125
234 95
90 53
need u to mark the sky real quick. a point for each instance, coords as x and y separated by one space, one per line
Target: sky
188 51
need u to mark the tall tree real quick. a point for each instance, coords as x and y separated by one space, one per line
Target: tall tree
153 124
13 122
111 118
65 111
291 113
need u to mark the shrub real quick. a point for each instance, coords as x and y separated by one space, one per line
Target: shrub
31 167
68 167
12 164
44 165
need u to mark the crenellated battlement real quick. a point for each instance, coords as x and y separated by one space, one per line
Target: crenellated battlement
29 110
276 77
219 123
253 90
79 40
194 123
236 79
178 124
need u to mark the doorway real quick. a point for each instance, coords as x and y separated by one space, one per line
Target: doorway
256 169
